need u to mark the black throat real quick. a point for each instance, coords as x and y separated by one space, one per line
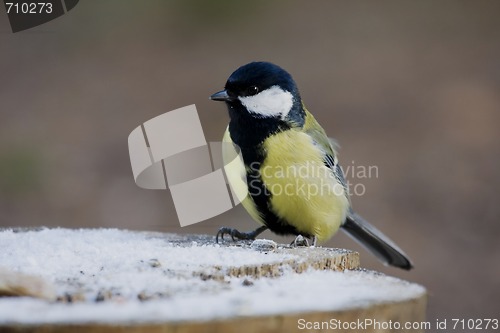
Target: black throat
248 132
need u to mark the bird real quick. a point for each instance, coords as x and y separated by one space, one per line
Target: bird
289 173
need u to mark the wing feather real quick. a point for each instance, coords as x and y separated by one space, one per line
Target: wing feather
328 146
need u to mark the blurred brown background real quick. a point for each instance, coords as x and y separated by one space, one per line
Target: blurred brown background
412 87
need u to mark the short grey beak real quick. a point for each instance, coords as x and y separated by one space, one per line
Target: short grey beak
221 96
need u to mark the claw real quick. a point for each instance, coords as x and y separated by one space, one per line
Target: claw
300 241
236 235
221 232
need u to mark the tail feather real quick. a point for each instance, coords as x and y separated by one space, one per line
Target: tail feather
375 241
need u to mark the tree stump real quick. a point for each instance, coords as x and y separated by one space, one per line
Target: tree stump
108 280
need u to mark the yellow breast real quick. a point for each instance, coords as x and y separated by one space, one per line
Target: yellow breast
304 191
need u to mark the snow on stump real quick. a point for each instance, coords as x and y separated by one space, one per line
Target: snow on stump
108 280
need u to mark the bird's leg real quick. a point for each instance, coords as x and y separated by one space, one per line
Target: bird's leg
315 241
237 234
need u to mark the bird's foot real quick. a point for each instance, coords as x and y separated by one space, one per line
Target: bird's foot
300 241
235 234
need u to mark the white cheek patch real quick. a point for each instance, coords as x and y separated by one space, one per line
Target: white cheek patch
271 102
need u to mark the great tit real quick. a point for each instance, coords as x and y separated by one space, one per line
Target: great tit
289 173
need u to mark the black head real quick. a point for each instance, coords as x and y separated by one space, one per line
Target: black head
262 90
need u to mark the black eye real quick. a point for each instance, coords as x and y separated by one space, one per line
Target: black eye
252 90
